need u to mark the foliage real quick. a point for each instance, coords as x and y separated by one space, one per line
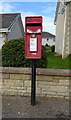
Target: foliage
13 55
58 55
53 48
69 55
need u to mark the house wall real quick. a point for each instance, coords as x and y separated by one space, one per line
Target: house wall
44 41
15 32
70 32
49 82
50 42
67 35
3 38
59 31
70 28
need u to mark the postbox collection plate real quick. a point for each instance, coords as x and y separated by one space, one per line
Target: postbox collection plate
33 44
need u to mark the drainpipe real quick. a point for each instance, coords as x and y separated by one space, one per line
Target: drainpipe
64 35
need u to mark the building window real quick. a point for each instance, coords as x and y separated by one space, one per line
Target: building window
47 39
53 39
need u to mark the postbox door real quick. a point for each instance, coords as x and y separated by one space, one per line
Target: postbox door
33 46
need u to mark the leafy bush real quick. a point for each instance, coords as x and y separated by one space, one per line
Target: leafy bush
53 48
69 55
13 55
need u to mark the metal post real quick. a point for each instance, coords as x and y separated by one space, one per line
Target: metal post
33 83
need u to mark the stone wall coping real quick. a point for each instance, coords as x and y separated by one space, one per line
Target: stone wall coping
39 71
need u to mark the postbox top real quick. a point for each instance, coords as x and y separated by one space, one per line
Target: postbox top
33 19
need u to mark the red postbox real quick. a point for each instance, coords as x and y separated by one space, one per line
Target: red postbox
33 37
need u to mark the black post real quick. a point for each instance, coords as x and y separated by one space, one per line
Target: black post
33 83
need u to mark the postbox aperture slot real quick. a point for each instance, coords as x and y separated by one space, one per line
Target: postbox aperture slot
33 24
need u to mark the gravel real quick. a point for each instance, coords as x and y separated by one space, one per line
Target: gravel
20 107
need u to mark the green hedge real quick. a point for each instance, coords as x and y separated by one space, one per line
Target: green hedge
13 55
53 48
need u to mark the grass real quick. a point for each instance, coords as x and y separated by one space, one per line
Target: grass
55 62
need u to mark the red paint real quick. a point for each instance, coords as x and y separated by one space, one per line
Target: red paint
33 35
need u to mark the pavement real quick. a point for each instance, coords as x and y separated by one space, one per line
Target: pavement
45 108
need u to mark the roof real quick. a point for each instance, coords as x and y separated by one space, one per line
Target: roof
66 1
8 19
47 34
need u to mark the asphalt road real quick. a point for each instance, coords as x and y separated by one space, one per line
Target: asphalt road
20 107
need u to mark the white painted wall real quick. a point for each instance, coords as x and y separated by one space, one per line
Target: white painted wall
50 42
1 40
59 31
